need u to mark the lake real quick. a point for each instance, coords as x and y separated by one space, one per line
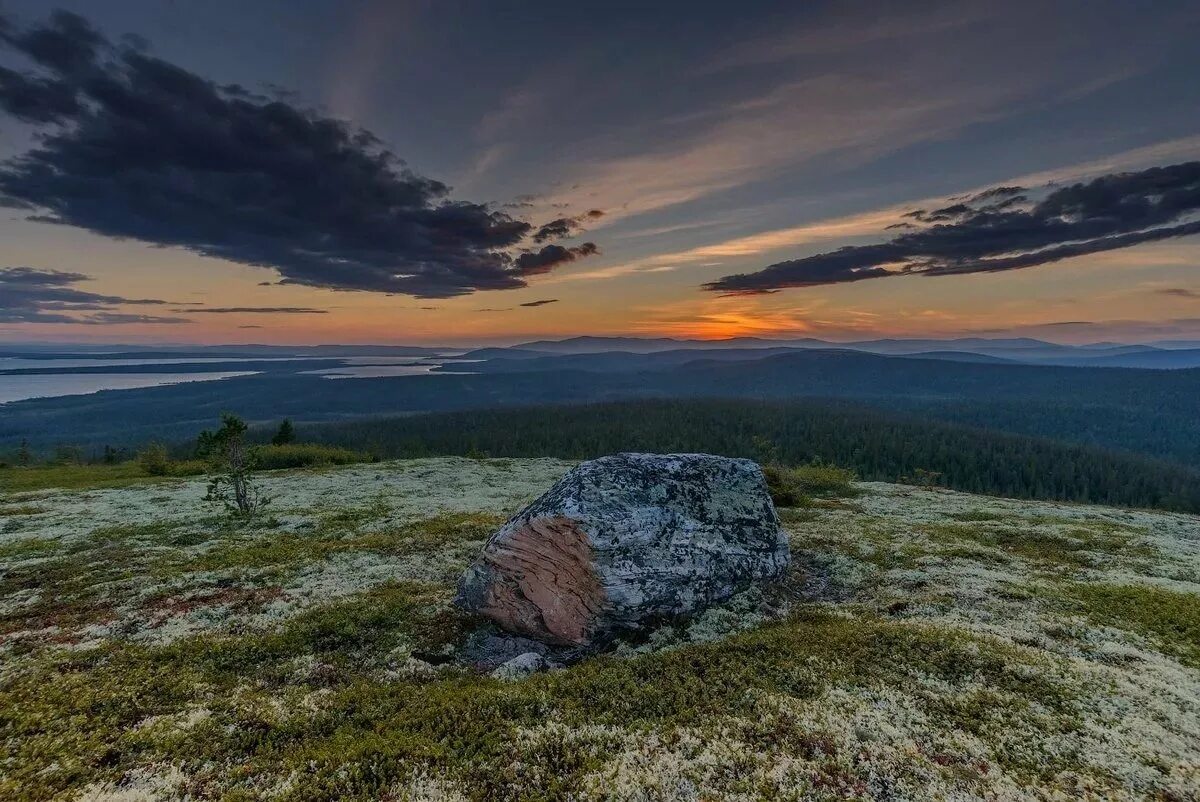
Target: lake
18 388
55 382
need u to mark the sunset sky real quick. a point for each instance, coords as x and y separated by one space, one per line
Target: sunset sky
198 172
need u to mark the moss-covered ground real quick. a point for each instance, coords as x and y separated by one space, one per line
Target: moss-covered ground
928 645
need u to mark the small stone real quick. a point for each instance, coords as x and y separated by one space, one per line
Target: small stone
489 648
622 542
521 666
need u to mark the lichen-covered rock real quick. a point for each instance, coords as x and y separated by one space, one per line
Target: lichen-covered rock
626 540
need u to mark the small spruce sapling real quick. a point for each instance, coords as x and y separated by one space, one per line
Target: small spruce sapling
285 435
231 464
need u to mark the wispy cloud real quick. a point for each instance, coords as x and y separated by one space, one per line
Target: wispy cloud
884 89
29 295
273 310
542 302
848 30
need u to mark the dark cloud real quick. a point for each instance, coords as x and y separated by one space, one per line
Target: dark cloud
990 200
541 302
997 193
29 295
532 263
230 310
135 147
1179 292
35 100
250 327
1002 229
565 226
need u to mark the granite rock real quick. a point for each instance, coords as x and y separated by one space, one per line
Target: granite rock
625 541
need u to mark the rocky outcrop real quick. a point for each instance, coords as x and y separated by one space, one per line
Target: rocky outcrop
626 540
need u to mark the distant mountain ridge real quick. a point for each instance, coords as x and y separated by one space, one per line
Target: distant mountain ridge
965 349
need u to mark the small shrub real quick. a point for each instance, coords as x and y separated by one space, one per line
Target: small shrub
922 477
304 455
824 479
784 490
188 467
154 460
794 487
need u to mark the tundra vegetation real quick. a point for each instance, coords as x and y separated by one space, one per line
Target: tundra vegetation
928 644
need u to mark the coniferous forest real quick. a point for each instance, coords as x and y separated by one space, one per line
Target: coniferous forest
878 445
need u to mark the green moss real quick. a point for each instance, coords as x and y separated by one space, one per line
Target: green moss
878 541
439 531
1171 619
155 532
40 477
979 515
349 518
21 509
73 719
81 582
255 550
1045 546
792 516
27 548
67 591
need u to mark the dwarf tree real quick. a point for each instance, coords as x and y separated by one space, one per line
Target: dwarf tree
231 464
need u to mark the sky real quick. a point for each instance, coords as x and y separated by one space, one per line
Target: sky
363 171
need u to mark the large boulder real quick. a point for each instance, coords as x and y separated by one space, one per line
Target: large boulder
626 540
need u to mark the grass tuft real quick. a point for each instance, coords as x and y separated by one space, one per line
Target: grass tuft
796 487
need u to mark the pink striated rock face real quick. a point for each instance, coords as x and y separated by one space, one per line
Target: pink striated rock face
553 592
626 539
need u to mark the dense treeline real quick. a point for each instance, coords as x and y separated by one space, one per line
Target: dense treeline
1163 431
878 445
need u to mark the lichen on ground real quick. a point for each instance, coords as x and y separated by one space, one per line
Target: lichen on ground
928 645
